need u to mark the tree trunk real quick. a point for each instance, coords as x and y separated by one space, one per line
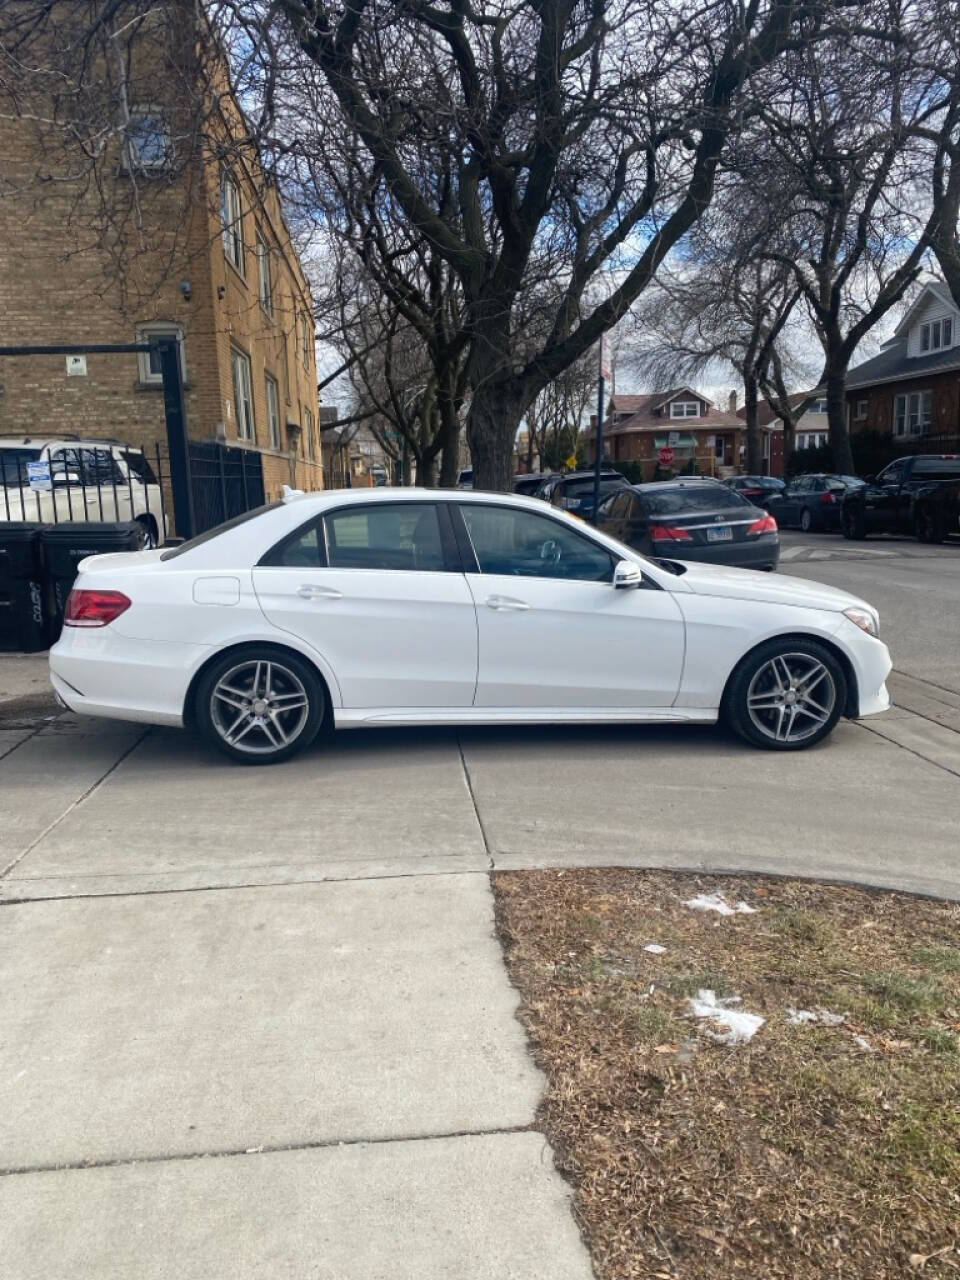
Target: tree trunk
752 413
449 442
836 382
492 424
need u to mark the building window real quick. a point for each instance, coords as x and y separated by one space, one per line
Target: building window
149 361
309 438
263 273
861 409
147 144
231 214
305 339
684 409
913 413
242 395
812 439
936 335
818 406
273 412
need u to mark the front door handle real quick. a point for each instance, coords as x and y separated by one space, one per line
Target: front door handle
508 604
313 591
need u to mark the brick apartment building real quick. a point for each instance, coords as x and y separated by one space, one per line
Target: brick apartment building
181 233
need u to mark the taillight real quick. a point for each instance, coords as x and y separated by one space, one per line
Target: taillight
94 608
667 533
827 499
766 525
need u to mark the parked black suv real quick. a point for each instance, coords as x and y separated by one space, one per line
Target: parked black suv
574 491
901 499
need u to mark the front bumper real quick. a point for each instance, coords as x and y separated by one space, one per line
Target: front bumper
759 553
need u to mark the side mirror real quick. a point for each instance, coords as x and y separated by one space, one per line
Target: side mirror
627 574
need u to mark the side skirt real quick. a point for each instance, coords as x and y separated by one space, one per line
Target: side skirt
370 717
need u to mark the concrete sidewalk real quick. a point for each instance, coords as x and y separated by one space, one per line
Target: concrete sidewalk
256 1021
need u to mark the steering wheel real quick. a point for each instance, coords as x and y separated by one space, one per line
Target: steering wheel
551 550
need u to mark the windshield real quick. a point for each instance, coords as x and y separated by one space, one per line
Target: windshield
13 465
681 501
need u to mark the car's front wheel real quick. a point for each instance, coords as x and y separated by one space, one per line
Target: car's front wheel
786 695
260 705
927 528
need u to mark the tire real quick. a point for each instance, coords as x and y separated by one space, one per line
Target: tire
806 520
852 525
243 726
757 702
927 527
148 533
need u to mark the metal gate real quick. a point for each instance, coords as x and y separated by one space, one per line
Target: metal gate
226 482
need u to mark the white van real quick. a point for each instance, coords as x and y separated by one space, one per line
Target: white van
57 480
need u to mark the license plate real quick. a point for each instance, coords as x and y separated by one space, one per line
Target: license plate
719 533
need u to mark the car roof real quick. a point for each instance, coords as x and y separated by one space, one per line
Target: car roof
68 442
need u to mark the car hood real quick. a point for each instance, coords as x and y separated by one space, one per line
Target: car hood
772 588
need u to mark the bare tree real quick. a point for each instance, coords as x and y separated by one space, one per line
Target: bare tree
556 415
551 154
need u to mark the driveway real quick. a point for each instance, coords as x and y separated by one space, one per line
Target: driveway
256 1021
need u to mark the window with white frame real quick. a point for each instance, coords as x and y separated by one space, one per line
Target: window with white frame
912 413
936 334
812 439
263 275
147 144
242 394
818 406
231 214
151 374
310 438
273 411
684 408
861 409
305 340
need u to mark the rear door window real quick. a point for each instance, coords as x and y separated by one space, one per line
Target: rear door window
396 536
937 468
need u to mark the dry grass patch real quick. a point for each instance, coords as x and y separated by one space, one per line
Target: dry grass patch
811 1151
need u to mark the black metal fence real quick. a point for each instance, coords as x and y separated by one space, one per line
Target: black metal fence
104 481
226 482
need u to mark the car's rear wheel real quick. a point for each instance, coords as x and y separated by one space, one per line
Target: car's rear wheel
927 528
260 705
786 695
806 520
853 525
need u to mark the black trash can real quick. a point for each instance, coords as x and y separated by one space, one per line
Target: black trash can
24 624
65 545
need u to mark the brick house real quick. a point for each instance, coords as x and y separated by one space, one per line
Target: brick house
211 261
911 389
637 427
812 430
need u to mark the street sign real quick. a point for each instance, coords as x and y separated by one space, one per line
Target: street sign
571 462
605 367
38 476
76 366
665 456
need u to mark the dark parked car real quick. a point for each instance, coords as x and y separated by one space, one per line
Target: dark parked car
693 520
573 492
812 502
756 489
900 498
529 483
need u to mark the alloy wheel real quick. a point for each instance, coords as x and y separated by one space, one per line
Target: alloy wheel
259 707
791 697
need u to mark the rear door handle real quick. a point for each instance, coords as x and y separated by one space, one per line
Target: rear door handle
508 604
312 591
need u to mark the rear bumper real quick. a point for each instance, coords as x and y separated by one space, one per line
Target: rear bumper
759 553
99 672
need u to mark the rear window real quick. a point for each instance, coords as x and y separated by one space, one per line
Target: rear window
216 531
584 488
760 482
676 502
138 464
13 465
941 468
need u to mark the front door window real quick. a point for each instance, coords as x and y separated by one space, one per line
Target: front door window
523 544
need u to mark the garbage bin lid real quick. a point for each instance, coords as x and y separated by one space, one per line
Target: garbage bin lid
19 530
90 532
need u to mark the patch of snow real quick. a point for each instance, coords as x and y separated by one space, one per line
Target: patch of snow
717 902
822 1016
655 948
863 1043
737 1026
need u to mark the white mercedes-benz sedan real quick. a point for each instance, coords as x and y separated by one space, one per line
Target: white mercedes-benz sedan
404 607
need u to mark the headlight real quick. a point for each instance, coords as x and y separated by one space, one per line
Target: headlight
865 620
